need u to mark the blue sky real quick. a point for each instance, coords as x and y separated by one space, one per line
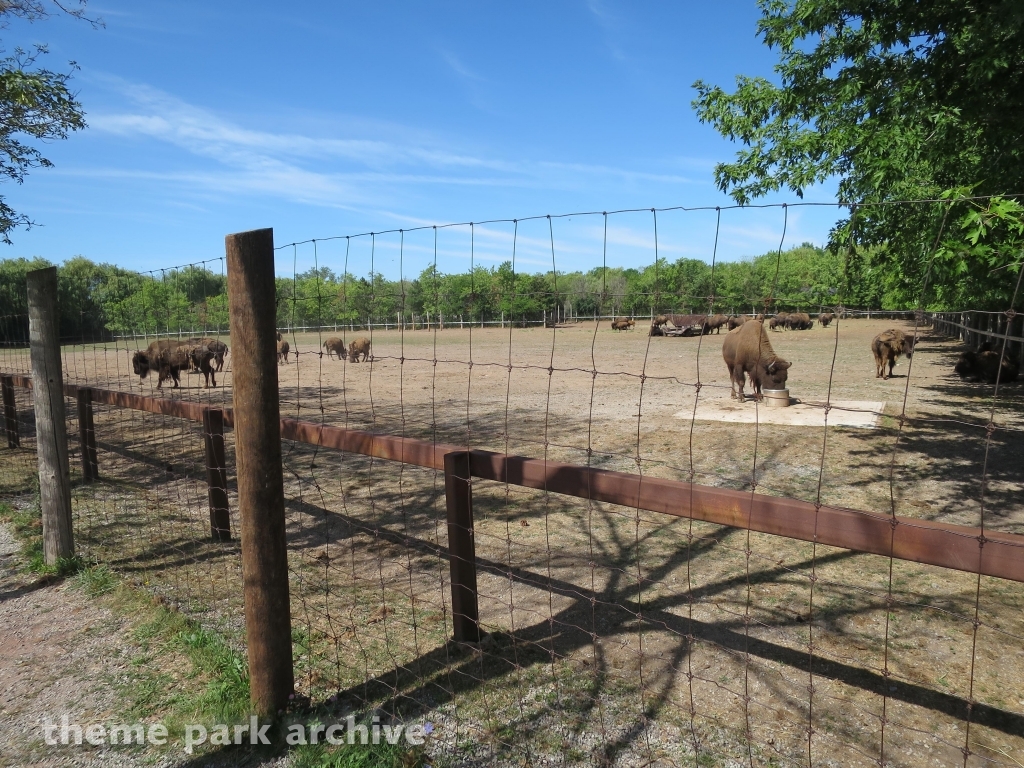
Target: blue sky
327 119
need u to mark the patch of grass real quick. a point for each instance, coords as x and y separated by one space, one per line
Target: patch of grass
28 529
359 756
185 673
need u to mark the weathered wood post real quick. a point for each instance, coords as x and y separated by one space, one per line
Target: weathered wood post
10 412
216 474
251 302
458 493
51 426
87 436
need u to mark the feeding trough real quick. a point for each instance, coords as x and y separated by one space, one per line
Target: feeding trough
776 398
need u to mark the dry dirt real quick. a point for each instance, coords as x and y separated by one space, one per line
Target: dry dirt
618 635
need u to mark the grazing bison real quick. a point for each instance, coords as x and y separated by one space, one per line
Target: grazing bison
886 347
735 321
335 346
360 346
799 321
825 318
283 348
168 357
623 324
747 351
779 321
987 365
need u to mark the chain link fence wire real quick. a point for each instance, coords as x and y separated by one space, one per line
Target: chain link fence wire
611 634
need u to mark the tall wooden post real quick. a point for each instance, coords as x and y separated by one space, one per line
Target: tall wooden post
461 547
251 303
87 436
10 412
216 474
51 426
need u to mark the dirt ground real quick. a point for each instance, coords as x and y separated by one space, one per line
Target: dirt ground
618 637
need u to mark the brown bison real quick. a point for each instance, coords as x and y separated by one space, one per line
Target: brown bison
747 351
987 365
168 357
283 348
715 323
624 324
217 347
799 321
886 347
335 346
825 318
360 346
735 321
779 321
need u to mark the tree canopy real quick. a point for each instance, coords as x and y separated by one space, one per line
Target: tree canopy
899 100
36 104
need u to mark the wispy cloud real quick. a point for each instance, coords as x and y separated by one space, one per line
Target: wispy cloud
609 24
360 166
458 67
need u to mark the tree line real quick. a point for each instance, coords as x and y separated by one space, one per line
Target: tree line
100 300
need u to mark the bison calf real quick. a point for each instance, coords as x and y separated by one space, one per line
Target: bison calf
623 324
886 347
747 351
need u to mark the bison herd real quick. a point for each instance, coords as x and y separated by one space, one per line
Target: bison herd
168 357
746 349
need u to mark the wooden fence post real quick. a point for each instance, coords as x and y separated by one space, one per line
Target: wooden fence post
10 412
51 424
216 474
87 436
458 493
251 299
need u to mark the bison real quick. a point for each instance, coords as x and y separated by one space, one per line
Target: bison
217 347
715 323
886 347
747 351
987 365
799 321
360 346
825 318
735 321
167 357
283 348
779 321
623 324
335 346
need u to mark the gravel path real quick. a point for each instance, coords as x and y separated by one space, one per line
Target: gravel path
59 653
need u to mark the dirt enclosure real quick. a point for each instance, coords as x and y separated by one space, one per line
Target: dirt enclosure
618 637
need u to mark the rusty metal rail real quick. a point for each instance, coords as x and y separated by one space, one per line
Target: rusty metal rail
957 547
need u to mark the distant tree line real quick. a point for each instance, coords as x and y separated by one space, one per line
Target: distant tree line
101 300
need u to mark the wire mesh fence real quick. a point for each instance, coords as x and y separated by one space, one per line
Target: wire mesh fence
836 581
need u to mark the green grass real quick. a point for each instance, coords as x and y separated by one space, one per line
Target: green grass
28 529
358 756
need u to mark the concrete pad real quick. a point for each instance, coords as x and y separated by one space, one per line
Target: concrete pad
843 413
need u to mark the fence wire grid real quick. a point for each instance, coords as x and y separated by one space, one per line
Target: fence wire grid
611 634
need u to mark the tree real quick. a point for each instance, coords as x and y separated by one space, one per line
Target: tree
35 104
899 100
